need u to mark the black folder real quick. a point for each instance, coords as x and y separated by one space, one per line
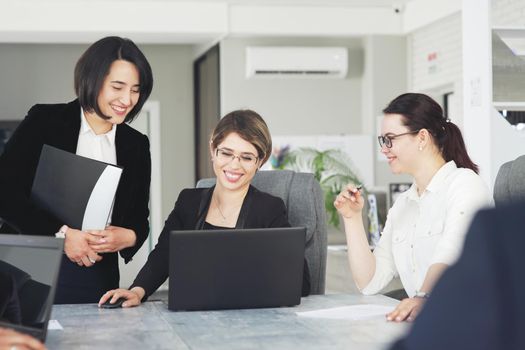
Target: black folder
79 191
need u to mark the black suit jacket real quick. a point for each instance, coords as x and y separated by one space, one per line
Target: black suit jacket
58 125
479 303
259 210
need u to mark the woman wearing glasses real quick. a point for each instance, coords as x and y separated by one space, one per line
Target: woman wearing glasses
425 227
239 146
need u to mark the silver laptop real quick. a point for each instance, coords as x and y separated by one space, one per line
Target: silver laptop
29 268
236 269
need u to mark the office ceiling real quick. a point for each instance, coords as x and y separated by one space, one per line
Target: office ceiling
202 21
356 3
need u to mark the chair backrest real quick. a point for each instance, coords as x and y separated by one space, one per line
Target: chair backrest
304 200
510 182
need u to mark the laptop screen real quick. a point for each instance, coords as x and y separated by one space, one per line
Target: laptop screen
236 269
29 267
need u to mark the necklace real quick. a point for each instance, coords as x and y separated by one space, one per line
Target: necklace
219 208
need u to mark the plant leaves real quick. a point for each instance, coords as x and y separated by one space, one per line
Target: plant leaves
332 168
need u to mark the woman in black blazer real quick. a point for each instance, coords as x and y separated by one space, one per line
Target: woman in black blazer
240 144
113 79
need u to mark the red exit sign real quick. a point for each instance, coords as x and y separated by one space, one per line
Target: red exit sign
432 56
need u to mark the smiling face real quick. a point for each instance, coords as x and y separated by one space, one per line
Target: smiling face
237 173
404 151
119 92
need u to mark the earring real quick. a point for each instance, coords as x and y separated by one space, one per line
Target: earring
420 148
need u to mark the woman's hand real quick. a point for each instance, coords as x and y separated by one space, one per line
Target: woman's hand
407 309
132 296
10 339
78 250
112 239
349 203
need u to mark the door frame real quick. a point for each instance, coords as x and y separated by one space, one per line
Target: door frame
153 110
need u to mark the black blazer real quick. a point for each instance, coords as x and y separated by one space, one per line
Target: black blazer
479 303
58 125
259 210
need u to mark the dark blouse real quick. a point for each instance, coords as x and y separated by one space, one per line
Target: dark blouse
259 210
208 226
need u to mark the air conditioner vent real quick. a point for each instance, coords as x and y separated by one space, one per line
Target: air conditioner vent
296 62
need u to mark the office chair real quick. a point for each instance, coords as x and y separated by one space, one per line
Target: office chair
510 182
304 200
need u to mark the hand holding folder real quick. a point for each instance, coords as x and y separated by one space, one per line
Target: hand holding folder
79 191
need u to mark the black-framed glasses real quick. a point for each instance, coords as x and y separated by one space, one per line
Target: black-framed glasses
225 155
387 139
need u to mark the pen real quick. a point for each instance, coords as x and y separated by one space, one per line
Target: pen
357 189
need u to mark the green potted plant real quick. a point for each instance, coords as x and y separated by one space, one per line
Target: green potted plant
333 169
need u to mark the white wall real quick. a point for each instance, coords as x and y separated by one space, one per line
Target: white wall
173 87
385 77
32 74
294 106
491 139
508 69
508 13
443 74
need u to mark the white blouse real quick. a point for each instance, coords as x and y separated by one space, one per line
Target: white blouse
99 147
427 229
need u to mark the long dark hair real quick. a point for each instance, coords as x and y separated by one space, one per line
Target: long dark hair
422 112
93 67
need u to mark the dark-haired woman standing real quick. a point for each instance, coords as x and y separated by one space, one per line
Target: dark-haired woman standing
425 227
113 79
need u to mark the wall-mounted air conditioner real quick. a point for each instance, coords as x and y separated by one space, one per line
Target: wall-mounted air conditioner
296 62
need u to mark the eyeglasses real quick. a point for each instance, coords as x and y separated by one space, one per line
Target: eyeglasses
387 139
247 160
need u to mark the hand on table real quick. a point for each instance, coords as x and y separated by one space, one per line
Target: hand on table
406 310
133 296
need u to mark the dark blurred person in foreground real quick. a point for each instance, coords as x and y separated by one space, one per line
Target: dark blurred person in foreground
479 303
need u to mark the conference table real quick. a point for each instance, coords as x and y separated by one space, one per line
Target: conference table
153 326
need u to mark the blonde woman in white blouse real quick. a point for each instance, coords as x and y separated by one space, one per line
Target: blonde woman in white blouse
425 228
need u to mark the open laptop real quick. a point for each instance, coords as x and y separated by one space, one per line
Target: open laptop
236 269
29 267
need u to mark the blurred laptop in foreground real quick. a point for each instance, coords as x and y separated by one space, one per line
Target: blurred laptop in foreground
29 268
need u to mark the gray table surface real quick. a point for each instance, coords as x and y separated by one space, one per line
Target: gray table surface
153 326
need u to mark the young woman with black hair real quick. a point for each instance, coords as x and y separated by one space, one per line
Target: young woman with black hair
425 227
113 79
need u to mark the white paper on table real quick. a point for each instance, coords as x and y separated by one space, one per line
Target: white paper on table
54 324
352 312
337 247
